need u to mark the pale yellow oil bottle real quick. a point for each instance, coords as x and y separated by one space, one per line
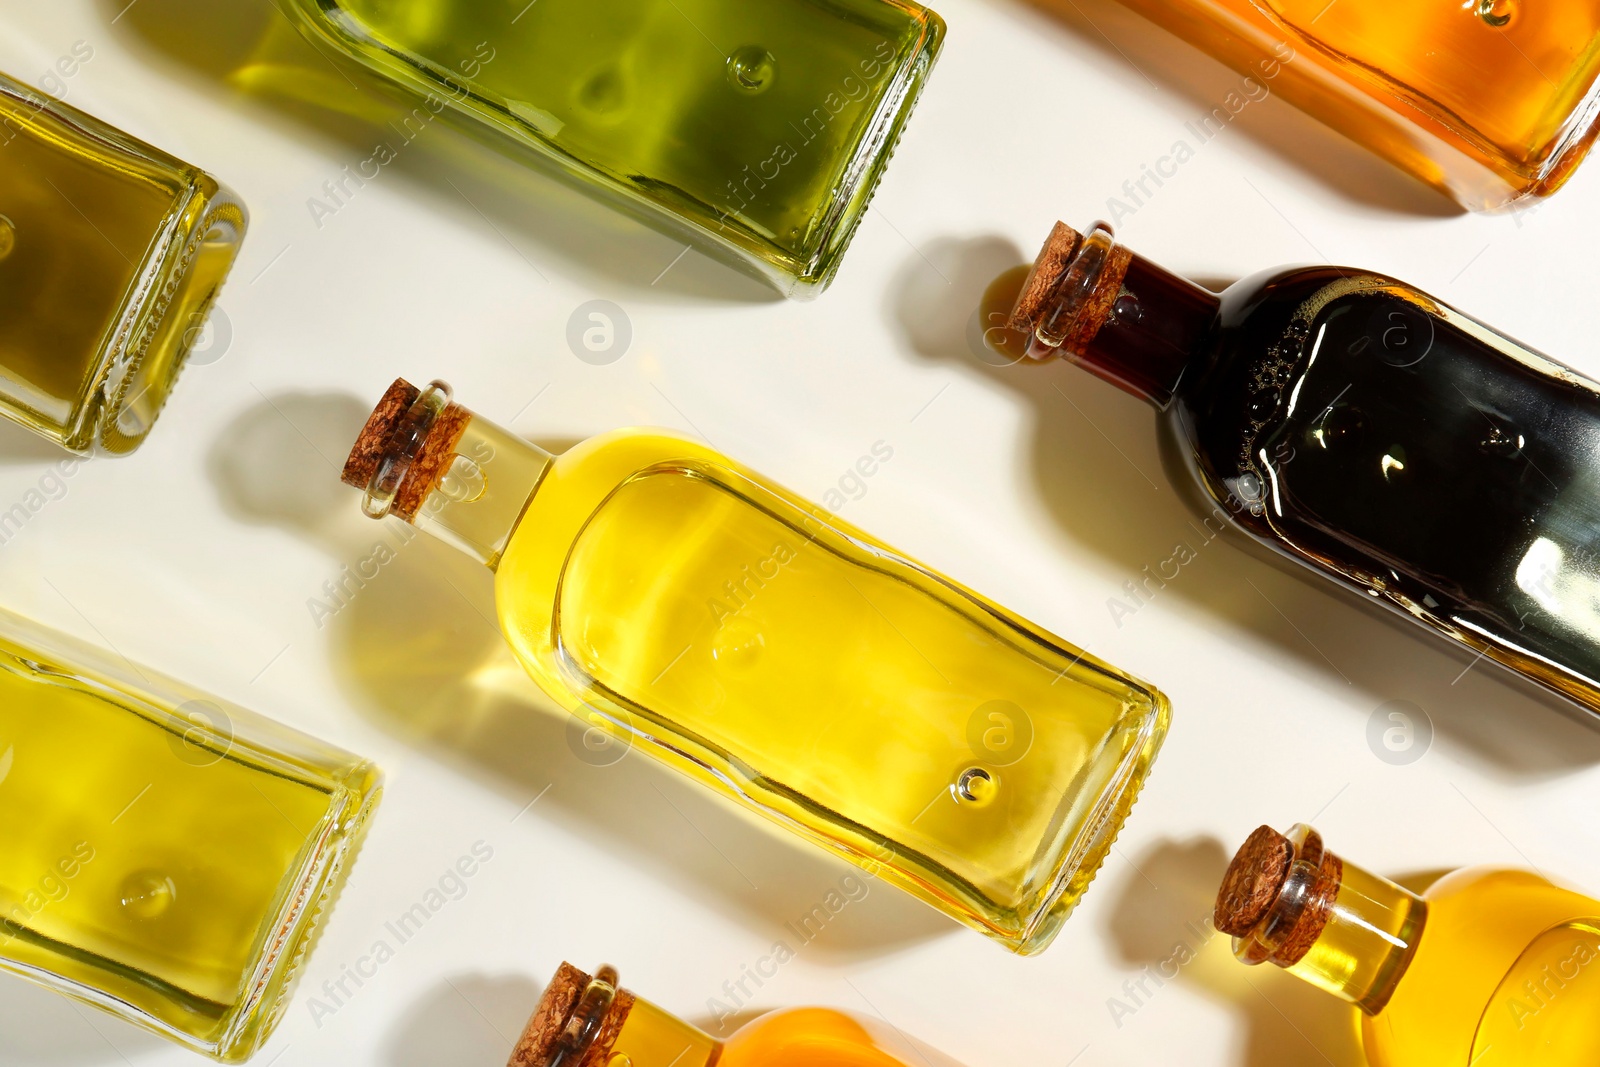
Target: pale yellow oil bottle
166 856
669 596
1487 968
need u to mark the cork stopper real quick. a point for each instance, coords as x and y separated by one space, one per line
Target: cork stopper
407 444
1253 882
375 436
1069 294
1278 894
1048 270
576 1021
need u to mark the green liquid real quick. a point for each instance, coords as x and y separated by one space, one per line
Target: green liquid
763 125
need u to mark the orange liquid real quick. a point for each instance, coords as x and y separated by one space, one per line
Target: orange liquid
1488 100
1511 72
807 1037
795 1037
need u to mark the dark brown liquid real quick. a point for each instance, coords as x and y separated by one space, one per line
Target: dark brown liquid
1418 456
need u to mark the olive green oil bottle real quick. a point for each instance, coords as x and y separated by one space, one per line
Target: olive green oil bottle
754 129
111 253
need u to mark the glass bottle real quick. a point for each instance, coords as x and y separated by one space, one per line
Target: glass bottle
1490 101
671 598
755 131
111 253
582 1019
167 856
1364 429
1488 967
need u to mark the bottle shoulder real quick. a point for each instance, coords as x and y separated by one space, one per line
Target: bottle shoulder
796 1037
1485 927
1506 891
1240 380
631 449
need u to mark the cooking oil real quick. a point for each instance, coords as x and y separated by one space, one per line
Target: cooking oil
1491 101
167 856
1365 429
668 596
583 1019
1493 968
111 253
758 129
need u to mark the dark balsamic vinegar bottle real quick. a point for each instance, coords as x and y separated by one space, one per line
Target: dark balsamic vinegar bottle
1366 430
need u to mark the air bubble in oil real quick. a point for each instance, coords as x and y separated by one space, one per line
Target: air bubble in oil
146 895
1497 13
752 69
976 787
1263 402
738 644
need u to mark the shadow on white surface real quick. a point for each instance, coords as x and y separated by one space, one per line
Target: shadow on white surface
42 1028
1107 473
264 67
418 650
1161 926
19 444
1151 55
465 1021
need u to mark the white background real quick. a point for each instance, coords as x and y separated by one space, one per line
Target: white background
1037 485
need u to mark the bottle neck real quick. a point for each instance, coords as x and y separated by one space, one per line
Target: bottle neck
1289 901
1117 315
584 1021
449 472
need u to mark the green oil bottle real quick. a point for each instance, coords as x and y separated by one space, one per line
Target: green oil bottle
754 129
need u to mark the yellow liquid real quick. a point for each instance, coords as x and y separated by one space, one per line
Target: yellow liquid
1507 974
666 594
157 864
110 256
